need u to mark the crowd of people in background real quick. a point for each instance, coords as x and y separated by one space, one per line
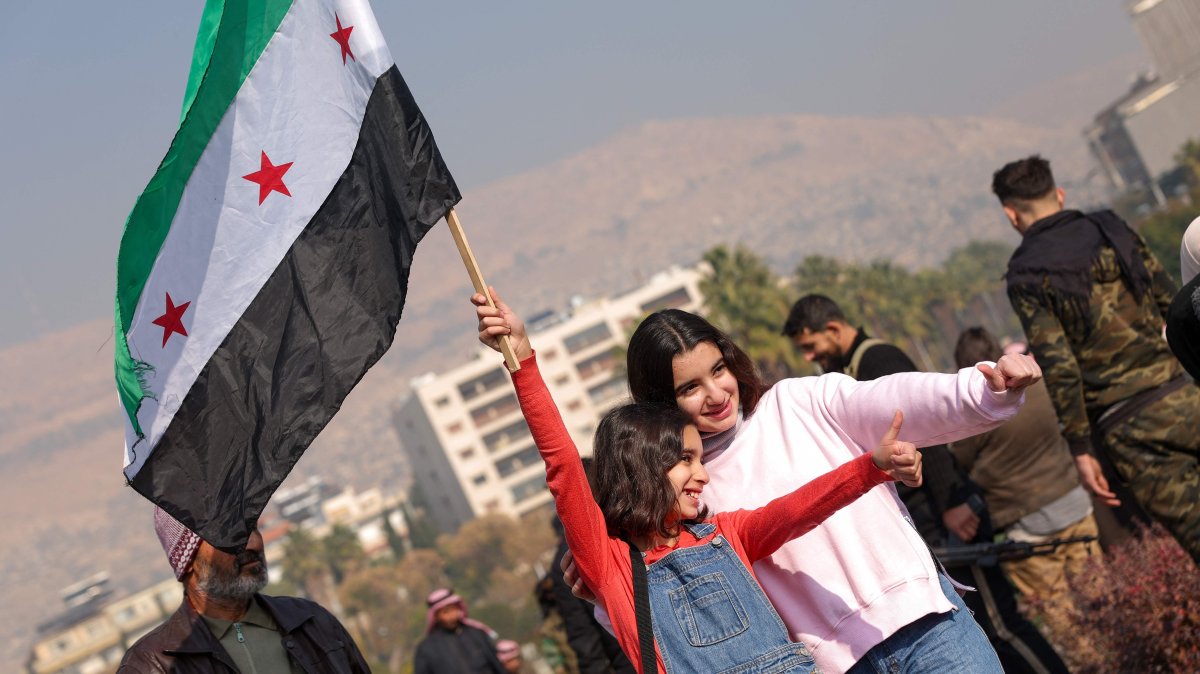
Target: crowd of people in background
1019 481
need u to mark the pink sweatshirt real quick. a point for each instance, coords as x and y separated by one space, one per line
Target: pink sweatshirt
864 573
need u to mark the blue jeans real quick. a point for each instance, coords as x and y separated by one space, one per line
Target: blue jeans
940 642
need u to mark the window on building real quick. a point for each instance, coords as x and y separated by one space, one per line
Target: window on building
562 379
467 453
574 405
483 383
455 427
608 390
442 402
511 464
601 362
494 410
514 432
491 506
480 479
527 489
673 300
587 337
548 355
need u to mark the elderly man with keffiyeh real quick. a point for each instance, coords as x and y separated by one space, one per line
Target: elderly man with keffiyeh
225 625
453 642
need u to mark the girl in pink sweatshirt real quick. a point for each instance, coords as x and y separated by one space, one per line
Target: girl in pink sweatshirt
709 613
861 590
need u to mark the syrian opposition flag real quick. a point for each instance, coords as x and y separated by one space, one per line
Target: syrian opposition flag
264 268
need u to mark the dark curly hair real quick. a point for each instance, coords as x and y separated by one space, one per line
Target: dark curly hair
634 447
1019 182
671 332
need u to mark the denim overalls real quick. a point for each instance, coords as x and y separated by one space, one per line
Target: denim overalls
710 615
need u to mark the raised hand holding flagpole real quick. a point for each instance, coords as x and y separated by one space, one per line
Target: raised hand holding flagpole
468 258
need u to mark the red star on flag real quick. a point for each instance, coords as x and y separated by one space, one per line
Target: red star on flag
342 37
269 178
172 320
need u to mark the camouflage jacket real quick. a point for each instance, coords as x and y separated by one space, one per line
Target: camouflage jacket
1097 354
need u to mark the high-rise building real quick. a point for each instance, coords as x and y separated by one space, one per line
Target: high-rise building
1135 139
1170 31
469 448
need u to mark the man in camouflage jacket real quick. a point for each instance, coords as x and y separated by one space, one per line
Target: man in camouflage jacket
1092 300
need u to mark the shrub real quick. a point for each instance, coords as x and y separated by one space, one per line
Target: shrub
1138 608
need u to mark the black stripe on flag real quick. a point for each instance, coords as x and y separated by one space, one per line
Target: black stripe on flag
327 313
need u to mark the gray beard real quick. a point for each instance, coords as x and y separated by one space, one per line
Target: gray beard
232 587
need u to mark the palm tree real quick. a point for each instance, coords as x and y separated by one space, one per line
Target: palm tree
746 299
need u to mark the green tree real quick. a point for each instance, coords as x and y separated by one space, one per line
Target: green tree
490 543
922 311
376 614
422 534
746 299
1163 231
342 552
821 275
1188 157
887 301
303 564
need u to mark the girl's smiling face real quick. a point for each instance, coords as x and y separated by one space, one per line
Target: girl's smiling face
705 388
688 476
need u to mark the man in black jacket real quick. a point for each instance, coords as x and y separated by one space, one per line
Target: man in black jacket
224 625
818 328
948 504
455 644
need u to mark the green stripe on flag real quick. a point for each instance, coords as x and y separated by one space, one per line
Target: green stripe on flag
232 35
210 21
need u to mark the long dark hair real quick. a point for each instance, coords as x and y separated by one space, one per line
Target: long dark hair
634 447
670 332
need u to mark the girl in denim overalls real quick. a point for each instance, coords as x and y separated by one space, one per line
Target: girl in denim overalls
709 613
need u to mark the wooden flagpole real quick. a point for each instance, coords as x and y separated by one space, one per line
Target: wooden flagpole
468 258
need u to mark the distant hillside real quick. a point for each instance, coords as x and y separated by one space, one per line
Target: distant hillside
909 189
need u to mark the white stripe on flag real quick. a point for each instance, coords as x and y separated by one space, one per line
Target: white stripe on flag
299 104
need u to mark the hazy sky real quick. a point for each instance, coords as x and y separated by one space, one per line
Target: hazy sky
91 94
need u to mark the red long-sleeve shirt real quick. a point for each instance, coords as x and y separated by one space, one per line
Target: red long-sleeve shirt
603 561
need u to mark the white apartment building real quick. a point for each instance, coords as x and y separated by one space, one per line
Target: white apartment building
467 443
